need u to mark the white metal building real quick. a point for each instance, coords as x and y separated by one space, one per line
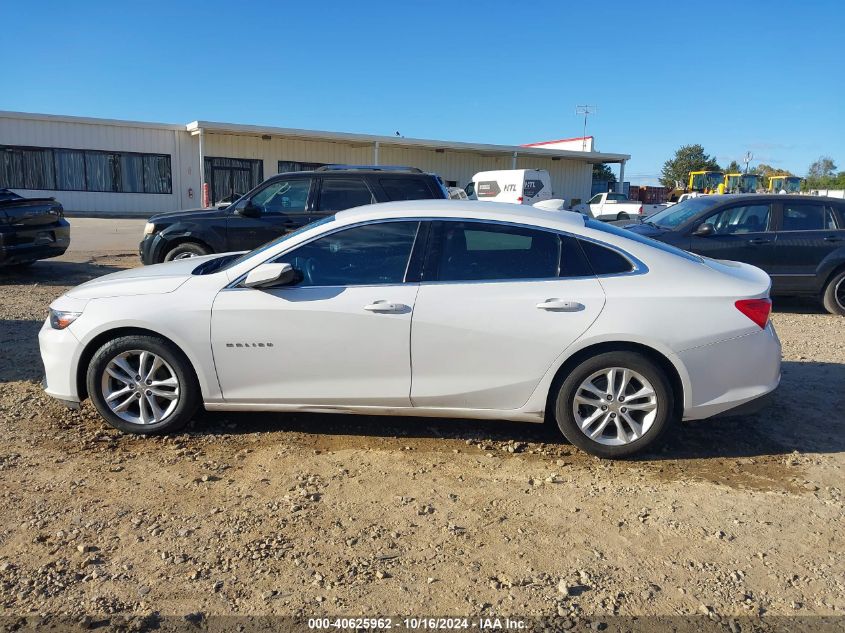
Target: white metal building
112 166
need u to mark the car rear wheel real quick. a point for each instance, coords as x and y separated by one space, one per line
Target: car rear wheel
622 216
186 250
614 404
142 384
834 294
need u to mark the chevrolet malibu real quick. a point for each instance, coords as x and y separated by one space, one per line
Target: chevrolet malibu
427 308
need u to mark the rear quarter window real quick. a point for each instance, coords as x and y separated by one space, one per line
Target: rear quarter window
640 239
405 189
604 260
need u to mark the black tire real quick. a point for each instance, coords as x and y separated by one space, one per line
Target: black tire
622 216
833 296
639 363
185 250
189 392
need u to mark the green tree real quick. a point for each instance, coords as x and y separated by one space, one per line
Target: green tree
688 158
602 172
733 168
822 168
822 175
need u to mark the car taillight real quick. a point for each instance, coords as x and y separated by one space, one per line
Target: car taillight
757 310
640 211
519 199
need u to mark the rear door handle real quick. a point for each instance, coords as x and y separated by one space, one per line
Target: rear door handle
560 305
759 240
383 306
833 238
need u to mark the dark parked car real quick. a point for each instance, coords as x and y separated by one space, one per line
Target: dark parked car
31 229
279 205
798 240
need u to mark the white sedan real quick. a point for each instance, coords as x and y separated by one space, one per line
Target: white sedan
427 308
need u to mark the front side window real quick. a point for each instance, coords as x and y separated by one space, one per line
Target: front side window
283 196
753 218
337 194
596 199
474 251
362 255
804 216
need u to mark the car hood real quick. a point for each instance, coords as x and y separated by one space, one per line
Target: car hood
144 280
645 229
188 214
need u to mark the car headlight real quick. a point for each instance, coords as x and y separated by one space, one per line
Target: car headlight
60 319
149 228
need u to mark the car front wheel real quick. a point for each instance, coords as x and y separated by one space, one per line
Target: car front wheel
834 294
142 384
614 404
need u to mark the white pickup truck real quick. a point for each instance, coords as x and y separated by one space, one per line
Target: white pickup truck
610 206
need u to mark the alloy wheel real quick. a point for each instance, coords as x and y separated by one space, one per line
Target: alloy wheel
140 387
186 255
839 293
615 406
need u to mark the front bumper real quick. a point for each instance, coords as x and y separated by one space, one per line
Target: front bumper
148 249
726 375
59 353
27 244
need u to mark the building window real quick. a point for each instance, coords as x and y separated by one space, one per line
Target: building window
229 178
286 166
59 169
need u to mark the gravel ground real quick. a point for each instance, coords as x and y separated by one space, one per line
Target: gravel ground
257 514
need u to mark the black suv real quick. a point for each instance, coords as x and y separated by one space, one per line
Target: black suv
279 205
798 240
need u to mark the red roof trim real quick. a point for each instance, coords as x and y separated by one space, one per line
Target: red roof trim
560 140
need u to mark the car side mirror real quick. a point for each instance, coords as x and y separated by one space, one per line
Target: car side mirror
704 230
250 210
270 275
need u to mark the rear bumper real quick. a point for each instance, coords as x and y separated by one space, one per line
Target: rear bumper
27 244
730 374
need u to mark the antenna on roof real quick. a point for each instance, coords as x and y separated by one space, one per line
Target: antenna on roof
586 110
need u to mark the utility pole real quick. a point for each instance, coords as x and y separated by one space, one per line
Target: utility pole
586 110
748 158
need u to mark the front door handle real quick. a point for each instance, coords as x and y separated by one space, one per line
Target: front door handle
560 305
833 238
389 307
754 241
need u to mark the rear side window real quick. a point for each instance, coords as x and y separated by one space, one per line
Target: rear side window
605 261
803 216
405 189
338 194
475 251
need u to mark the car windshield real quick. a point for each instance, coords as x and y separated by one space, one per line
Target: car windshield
641 239
212 266
679 213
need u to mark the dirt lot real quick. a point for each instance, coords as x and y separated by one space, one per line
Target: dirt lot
312 514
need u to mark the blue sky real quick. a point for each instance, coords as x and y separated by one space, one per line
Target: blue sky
733 76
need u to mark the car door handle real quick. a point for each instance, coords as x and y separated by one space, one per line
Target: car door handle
560 305
759 240
833 238
386 307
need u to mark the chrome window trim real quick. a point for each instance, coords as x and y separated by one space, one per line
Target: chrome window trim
638 266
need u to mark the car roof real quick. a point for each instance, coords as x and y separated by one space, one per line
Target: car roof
463 209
